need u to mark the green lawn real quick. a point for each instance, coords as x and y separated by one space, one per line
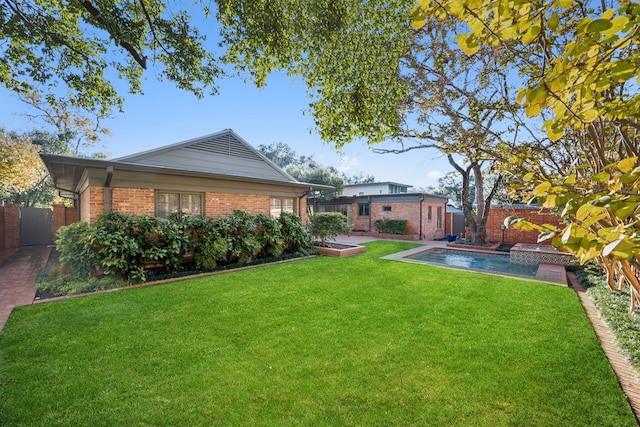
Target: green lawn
324 341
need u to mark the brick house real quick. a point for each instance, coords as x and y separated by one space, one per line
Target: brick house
211 175
425 213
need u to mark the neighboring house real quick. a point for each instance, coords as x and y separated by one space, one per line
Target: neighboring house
374 188
425 213
211 175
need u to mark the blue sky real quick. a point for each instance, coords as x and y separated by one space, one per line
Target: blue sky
165 115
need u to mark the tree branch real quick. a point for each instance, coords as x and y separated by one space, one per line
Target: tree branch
95 12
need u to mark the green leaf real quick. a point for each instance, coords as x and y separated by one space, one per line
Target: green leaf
584 211
566 235
599 25
626 165
619 249
531 34
601 177
570 180
623 210
617 24
533 110
537 95
553 21
545 236
541 189
623 71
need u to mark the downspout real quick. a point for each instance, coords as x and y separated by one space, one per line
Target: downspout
369 203
421 201
107 189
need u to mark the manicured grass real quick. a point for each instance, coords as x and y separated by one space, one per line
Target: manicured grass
325 341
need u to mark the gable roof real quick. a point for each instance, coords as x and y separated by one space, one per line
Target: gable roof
223 153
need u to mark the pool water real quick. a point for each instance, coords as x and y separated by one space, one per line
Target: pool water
497 263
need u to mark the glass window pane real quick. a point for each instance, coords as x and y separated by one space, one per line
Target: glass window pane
192 204
287 205
275 208
166 204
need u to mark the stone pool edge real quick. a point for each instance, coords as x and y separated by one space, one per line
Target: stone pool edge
403 257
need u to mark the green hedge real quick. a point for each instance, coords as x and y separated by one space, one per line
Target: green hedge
124 245
391 226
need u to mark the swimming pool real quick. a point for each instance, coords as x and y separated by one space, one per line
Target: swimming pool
496 263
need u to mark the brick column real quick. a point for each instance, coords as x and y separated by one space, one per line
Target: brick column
11 226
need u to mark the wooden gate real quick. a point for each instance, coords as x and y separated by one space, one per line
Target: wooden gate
36 227
458 224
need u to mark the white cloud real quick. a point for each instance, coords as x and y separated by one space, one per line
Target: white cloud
347 163
433 176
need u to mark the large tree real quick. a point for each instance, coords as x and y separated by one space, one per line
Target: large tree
580 63
21 170
304 168
463 106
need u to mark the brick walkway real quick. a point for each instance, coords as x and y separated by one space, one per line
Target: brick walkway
18 270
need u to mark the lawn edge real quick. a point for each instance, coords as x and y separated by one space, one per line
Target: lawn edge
170 280
625 372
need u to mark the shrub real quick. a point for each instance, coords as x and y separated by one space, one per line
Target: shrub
209 245
241 230
75 245
121 245
297 237
269 235
327 225
391 226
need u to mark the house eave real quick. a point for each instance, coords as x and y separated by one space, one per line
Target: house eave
67 173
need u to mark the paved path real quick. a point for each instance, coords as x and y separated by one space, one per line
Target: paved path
18 270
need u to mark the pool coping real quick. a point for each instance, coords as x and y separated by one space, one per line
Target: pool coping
541 276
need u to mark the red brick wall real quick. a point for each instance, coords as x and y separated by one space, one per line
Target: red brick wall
512 235
141 201
71 216
217 204
91 203
10 226
133 201
63 215
430 229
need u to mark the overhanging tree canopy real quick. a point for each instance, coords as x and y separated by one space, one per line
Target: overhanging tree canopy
83 45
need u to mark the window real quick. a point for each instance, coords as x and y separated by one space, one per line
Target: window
386 209
279 205
363 209
429 213
168 203
439 218
396 189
